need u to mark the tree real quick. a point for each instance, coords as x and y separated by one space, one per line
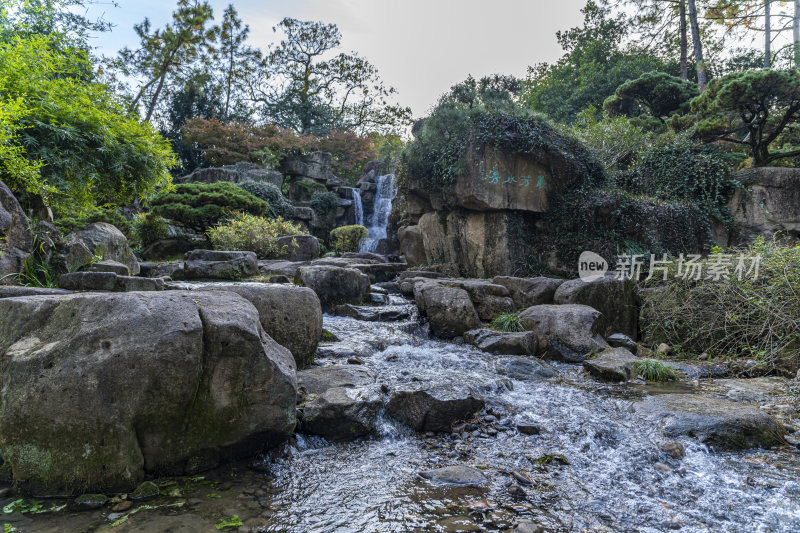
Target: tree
59 19
234 59
300 89
756 109
654 94
700 65
163 52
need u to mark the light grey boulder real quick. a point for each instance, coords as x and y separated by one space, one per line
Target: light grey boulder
449 310
616 299
108 281
16 237
298 247
108 265
215 264
612 364
454 475
566 332
334 284
524 369
100 390
620 340
98 239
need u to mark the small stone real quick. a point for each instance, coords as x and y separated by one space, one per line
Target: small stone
455 475
528 526
673 448
489 419
355 361
529 429
145 491
384 388
87 502
392 357
522 477
113 517
662 468
122 506
704 356
664 349
516 491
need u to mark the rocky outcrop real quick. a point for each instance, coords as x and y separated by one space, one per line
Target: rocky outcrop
500 342
767 202
526 292
100 390
291 315
613 364
566 332
412 245
16 237
449 310
615 298
214 264
720 423
334 284
433 408
99 239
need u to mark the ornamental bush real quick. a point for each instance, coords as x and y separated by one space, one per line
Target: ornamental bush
246 232
348 238
199 206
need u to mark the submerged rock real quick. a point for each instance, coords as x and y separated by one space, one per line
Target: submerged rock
434 408
88 502
454 475
720 423
613 364
501 342
101 389
566 332
524 369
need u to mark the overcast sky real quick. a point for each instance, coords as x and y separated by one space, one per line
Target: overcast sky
420 47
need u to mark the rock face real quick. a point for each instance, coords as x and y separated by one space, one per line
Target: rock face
616 299
101 389
613 364
236 173
333 284
566 332
99 239
448 309
434 408
16 237
529 291
768 202
173 247
299 247
291 315
720 423
213 264
340 402
500 342
412 245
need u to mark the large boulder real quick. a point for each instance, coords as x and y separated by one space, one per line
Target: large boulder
720 423
214 264
767 202
100 239
529 291
412 245
299 247
612 364
291 315
334 284
100 390
449 310
502 342
433 408
16 237
108 281
489 299
314 166
617 299
566 332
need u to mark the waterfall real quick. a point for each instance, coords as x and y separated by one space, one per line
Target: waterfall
382 206
358 207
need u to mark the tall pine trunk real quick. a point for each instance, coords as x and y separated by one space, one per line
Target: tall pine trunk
767 34
796 33
685 41
702 79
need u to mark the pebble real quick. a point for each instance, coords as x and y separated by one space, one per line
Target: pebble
529 429
355 361
662 467
489 419
113 517
673 448
516 491
392 357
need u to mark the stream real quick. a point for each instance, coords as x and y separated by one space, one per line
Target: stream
593 466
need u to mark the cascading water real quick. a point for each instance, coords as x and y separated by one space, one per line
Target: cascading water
358 207
382 206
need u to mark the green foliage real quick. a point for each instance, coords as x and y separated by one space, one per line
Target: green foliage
246 232
324 203
89 150
507 322
110 215
757 109
657 95
682 171
615 141
279 205
348 238
148 228
199 206
21 505
653 370
757 317
229 523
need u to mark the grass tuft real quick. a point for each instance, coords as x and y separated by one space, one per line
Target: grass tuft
652 370
507 322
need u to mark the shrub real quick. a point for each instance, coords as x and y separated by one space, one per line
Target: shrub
243 231
148 228
615 141
652 370
323 203
199 206
507 322
348 238
755 317
279 205
69 224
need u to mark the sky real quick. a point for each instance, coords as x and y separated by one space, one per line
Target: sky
420 47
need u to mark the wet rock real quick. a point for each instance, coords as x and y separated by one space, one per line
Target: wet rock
528 526
524 369
341 413
108 281
122 506
215 264
433 408
673 448
448 309
145 491
291 315
318 380
527 292
620 340
108 265
378 298
499 342
529 429
717 422
100 389
566 332
88 502
372 314
612 364
355 361
616 299
98 239
298 247
758 390
13 292
516 491
334 285
454 475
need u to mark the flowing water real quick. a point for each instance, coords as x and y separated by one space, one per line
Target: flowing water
382 207
615 479
358 206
